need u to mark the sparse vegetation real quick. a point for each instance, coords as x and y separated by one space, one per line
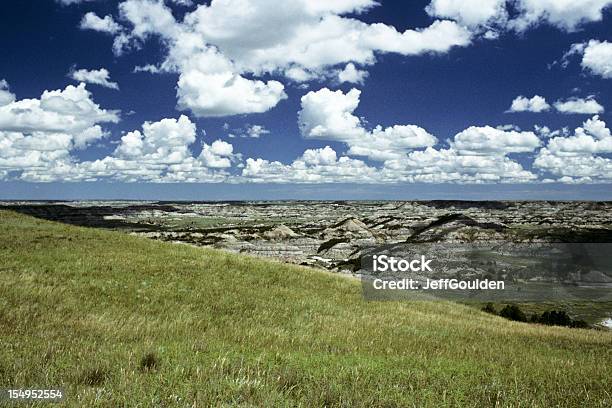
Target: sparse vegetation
82 308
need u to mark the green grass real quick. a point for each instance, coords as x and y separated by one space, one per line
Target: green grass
122 321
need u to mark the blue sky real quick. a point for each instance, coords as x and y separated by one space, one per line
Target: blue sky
319 99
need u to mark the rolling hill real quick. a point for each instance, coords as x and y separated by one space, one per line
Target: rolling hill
119 320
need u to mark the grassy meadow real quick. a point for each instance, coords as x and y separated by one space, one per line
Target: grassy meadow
122 321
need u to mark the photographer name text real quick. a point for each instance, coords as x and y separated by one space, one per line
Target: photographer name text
385 263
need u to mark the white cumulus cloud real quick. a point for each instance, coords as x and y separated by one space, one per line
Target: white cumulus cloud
226 93
352 75
91 21
161 152
256 131
314 166
328 115
471 13
580 157
95 76
38 135
596 57
64 111
579 105
449 166
567 15
219 154
222 49
536 103
484 140
492 16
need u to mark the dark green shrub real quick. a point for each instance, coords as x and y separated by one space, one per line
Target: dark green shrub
555 318
513 312
558 318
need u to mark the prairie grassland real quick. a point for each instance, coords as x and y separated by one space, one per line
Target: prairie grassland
122 321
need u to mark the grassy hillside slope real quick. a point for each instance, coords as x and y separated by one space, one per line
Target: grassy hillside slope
81 308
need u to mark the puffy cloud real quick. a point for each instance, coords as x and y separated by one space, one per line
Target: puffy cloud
596 57
37 135
579 144
96 76
391 142
595 127
38 138
427 166
324 156
226 93
328 115
218 60
91 21
309 37
579 105
314 166
160 142
218 155
439 37
256 131
570 169
591 138
485 140
564 14
160 152
579 157
208 84
6 96
572 105
471 13
490 16
88 136
149 17
448 165
476 155
67 111
352 74
536 103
